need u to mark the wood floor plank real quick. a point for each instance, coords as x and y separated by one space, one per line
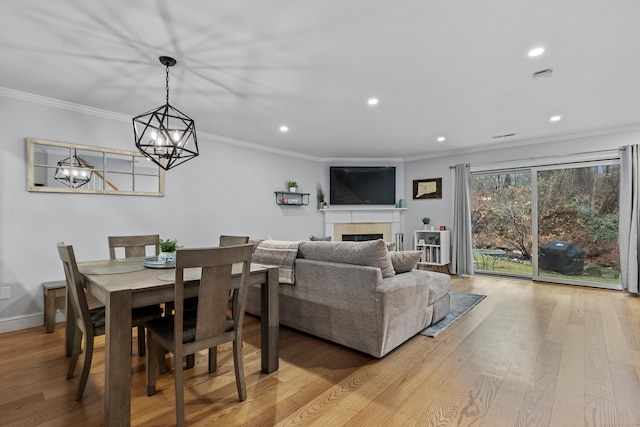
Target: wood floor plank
538 401
626 391
569 403
615 340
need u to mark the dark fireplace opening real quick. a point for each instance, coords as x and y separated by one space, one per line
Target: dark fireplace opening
360 237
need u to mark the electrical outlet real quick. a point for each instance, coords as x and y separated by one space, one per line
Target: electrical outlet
5 292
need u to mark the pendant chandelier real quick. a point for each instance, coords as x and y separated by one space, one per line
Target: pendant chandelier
165 134
73 171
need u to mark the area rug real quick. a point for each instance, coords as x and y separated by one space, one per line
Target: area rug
461 303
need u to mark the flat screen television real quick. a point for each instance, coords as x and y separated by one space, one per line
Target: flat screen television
362 185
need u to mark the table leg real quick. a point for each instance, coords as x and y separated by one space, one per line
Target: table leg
117 387
270 322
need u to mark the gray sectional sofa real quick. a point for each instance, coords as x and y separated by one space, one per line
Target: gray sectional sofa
357 294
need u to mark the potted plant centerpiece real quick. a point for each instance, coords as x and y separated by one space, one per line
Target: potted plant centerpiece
293 186
425 222
168 249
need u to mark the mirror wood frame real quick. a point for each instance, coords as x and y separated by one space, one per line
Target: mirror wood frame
100 172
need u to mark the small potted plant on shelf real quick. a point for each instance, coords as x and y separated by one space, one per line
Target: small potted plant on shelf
425 222
321 203
293 186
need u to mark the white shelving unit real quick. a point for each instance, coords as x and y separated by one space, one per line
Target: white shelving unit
435 246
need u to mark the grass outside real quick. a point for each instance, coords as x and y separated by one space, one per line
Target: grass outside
507 266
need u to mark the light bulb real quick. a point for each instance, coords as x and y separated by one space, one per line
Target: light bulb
154 135
176 136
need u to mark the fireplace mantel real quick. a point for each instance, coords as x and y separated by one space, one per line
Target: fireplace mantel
362 214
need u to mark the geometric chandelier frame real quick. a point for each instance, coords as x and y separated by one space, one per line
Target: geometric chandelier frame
73 171
166 135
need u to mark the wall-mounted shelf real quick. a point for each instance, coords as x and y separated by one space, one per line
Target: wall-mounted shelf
288 198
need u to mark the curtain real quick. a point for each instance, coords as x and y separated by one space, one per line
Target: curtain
462 257
628 217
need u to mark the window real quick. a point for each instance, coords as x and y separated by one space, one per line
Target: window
554 223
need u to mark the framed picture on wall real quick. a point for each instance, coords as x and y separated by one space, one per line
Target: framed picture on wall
427 188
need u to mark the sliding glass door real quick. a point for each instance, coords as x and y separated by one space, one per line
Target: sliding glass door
557 224
577 224
501 222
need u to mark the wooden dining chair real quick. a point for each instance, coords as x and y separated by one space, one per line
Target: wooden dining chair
191 303
189 331
90 323
135 247
227 240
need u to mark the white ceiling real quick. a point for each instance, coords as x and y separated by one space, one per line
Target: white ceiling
439 67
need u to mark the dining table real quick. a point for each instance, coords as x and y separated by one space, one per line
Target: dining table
124 284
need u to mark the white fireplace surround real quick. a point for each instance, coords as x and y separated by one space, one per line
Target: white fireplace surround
387 216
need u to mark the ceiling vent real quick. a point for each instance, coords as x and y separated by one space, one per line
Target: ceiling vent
503 136
542 75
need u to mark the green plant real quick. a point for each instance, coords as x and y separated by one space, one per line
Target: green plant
168 245
426 220
320 195
293 184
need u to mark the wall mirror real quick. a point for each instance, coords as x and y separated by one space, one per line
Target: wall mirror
60 167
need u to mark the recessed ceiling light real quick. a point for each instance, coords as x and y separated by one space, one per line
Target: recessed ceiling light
536 51
555 118
284 129
372 101
441 139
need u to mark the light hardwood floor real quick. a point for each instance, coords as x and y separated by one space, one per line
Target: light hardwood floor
530 354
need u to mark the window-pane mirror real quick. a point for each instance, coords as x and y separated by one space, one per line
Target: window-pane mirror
62 167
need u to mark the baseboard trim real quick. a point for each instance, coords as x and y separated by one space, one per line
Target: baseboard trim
16 323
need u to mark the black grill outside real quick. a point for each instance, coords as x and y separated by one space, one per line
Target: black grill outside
561 257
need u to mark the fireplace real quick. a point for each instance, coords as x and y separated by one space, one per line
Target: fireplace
380 221
361 237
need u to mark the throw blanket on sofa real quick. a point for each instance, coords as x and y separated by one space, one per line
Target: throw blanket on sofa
280 253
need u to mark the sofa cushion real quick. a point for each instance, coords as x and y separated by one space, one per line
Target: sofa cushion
280 253
404 261
372 253
320 239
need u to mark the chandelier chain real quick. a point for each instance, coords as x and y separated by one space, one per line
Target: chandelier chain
167 84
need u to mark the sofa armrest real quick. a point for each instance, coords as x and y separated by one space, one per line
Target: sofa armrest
402 305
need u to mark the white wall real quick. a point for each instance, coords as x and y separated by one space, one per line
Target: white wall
228 189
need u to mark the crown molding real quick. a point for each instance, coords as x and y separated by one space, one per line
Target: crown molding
634 127
79 108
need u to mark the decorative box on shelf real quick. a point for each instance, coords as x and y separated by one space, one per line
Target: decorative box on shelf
288 198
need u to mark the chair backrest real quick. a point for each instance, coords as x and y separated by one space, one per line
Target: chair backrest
75 288
233 240
134 246
216 281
